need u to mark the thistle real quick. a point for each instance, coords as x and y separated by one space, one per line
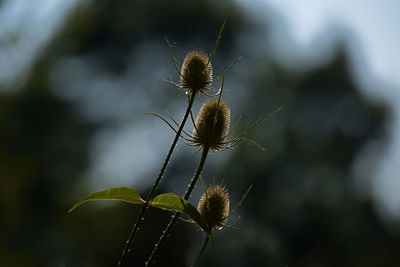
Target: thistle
196 77
211 129
196 73
212 125
214 206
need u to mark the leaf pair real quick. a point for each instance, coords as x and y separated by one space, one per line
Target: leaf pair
169 201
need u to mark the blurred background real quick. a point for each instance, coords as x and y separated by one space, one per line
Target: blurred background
76 75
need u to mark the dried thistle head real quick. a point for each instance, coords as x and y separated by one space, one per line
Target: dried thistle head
214 206
212 125
196 72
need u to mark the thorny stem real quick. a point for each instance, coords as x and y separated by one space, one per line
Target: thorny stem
160 175
175 217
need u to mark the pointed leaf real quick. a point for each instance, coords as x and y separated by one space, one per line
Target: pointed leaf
174 202
241 201
126 194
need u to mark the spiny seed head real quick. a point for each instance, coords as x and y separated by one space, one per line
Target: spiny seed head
214 206
208 132
196 72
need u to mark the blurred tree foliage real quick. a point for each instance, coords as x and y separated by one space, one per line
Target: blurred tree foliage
302 212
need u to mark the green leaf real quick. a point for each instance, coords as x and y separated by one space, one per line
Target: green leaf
174 202
126 194
168 201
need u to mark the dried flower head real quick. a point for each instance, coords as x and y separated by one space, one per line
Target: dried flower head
214 206
212 125
196 73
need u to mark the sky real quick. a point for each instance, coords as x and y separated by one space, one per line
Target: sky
24 31
373 24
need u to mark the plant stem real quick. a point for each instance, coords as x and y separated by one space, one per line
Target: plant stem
160 175
201 252
175 217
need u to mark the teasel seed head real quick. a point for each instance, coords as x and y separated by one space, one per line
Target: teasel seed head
214 206
209 132
196 73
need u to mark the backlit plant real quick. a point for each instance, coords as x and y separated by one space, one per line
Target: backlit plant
210 132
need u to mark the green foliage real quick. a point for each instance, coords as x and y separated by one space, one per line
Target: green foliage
173 202
126 194
170 201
